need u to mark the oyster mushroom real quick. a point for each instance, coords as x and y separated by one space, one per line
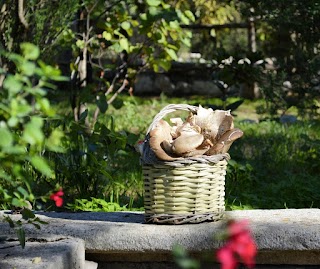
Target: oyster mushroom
186 143
160 133
202 149
213 123
225 125
226 140
177 124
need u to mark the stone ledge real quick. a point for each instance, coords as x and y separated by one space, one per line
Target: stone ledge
62 253
290 236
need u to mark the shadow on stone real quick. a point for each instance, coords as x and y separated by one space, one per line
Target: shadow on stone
126 217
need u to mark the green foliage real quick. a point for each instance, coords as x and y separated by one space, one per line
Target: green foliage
99 163
212 13
182 258
26 135
44 22
289 34
97 205
276 166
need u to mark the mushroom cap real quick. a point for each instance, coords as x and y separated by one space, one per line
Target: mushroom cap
225 142
160 133
186 143
213 123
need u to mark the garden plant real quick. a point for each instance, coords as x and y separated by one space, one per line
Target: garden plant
70 117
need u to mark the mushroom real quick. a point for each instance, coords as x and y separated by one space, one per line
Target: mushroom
225 125
186 143
177 124
202 149
226 140
159 134
213 123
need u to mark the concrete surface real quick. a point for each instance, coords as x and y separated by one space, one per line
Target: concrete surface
57 253
289 237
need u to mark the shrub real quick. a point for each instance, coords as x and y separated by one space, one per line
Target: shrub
26 135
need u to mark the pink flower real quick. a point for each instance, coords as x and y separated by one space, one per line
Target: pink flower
226 257
56 197
240 246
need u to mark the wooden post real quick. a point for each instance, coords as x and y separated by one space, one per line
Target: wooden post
252 90
252 35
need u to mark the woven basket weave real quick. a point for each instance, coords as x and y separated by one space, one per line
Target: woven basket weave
188 190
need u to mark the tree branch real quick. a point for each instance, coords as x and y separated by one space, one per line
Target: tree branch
21 14
214 26
114 96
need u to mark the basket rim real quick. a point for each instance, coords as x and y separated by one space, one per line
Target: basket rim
213 159
183 218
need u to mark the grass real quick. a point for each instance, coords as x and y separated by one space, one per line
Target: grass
273 165
279 166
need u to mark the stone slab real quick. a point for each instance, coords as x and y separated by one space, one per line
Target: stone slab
43 254
290 236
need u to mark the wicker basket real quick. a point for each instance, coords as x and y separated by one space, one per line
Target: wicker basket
188 190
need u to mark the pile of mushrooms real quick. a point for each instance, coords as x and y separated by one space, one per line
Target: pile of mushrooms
206 132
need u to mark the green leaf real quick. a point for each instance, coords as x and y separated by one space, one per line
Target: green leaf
124 44
51 72
54 141
154 3
171 53
12 84
174 24
23 191
30 51
40 221
44 105
190 15
15 150
143 16
36 225
10 221
107 36
6 137
41 165
32 133
182 17
28 68
21 236
83 115
80 44
13 121
126 25
102 103
20 107
27 214
117 103
166 65
154 11
16 202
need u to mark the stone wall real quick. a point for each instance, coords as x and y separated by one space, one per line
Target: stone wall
183 79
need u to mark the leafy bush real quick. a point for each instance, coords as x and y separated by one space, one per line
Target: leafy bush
26 135
101 163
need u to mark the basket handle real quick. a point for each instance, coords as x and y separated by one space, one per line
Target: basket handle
169 109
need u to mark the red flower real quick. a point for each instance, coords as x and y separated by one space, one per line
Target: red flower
240 246
56 197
